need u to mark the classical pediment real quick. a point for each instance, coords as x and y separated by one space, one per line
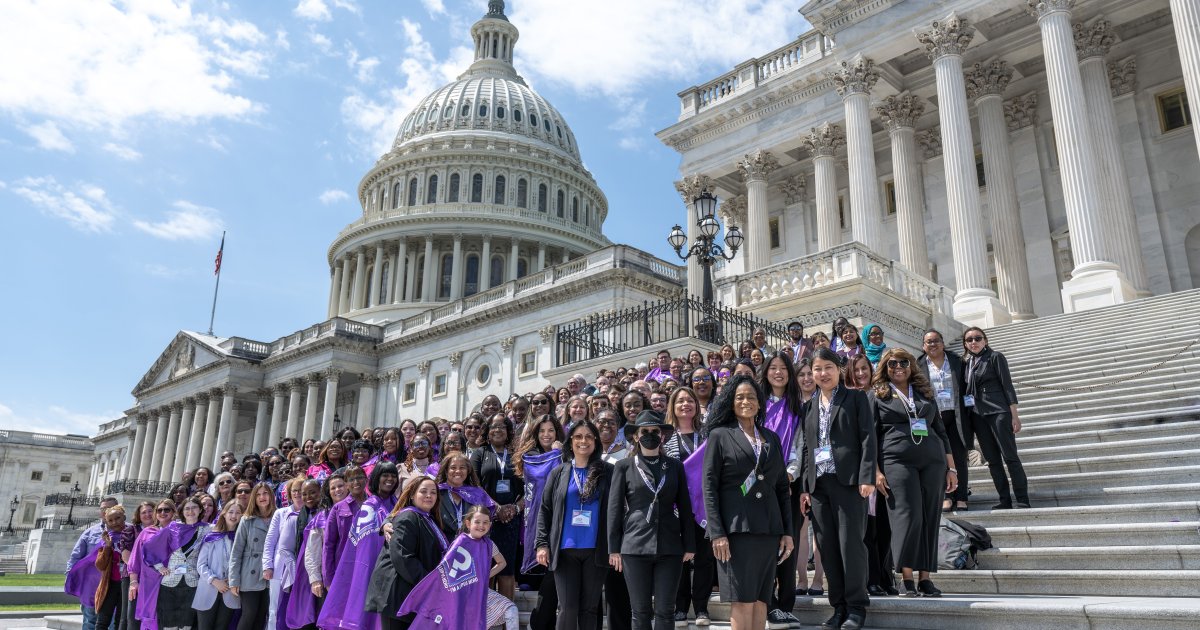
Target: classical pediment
186 353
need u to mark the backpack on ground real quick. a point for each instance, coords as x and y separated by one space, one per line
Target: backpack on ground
958 542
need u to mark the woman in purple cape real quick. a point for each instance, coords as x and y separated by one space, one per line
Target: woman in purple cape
343 606
458 490
308 590
173 552
414 549
143 579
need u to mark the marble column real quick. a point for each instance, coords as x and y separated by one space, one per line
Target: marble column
196 440
331 386
399 272
1096 280
854 82
689 188
185 435
147 455
456 269
985 85
344 291
366 400
376 276
262 422
1116 202
541 259
310 407
228 424
823 142
216 398
485 265
514 256
427 289
160 444
410 277
293 417
900 114
171 444
974 302
1185 16
133 463
279 390
756 168
358 298
335 291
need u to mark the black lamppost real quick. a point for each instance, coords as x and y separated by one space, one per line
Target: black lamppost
12 511
71 512
707 251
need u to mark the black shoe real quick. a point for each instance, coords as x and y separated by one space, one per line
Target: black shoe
835 622
793 620
816 592
961 508
681 619
928 589
876 591
909 589
776 620
1002 506
891 590
854 621
1024 505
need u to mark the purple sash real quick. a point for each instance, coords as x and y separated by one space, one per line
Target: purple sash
343 606
781 421
168 540
302 605
473 495
693 469
149 582
453 595
537 469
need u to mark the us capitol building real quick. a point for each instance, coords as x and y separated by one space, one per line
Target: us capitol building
911 163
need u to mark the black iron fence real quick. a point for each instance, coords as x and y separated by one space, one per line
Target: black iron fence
64 498
651 323
140 487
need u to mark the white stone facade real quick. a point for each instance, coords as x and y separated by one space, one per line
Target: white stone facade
36 465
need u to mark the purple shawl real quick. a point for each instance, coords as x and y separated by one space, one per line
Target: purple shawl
343 606
148 582
473 495
537 468
84 578
168 540
454 595
382 456
302 605
781 421
693 469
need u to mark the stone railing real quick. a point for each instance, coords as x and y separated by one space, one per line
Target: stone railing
140 487
802 51
45 439
336 327
842 265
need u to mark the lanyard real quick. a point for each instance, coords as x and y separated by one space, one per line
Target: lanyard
755 444
908 402
683 446
578 483
614 446
825 415
501 458
458 507
650 486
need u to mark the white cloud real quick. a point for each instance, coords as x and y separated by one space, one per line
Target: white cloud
55 419
49 137
333 196
129 154
161 271
315 10
85 208
364 69
321 42
435 7
187 222
105 64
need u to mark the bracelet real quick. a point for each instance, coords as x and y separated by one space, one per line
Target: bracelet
952 470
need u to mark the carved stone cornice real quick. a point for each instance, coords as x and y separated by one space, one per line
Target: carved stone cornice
1093 40
1021 112
202 398
949 36
1122 76
900 111
693 186
856 76
824 140
757 166
794 189
1041 8
987 79
423 367
455 359
507 343
547 333
930 141
734 210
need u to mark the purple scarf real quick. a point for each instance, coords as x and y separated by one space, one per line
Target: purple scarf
782 422
454 595
537 469
302 605
84 578
472 495
168 540
693 469
343 606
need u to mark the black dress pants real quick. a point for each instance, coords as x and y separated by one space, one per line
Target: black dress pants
878 539
914 507
578 580
958 449
698 576
255 605
616 595
656 576
215 618
784 597
109 609
545 612
839 522
126 607
999 446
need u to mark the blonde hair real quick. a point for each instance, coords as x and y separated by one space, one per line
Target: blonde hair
220 525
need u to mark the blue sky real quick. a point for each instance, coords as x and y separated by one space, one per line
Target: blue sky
133 132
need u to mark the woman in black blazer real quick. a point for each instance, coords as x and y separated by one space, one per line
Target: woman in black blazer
414 549
991 401
572 536
746 498
944 369
647 540
837 470
915 467
493 466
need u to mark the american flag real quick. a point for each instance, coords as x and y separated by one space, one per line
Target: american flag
220 252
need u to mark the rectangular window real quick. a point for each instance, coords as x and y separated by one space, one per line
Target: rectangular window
439 384
410 392
64 478
842 212
35 475
889 196
1173 110
528 362
773 230
28 512
979 174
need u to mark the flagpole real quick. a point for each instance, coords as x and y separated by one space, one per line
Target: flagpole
220 255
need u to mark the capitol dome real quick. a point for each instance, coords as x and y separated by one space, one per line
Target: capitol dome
484 180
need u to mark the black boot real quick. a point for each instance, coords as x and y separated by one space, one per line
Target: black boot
835 622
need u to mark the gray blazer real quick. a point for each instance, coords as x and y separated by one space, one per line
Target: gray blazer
246 557
213 564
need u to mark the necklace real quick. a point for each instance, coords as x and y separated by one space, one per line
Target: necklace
650 461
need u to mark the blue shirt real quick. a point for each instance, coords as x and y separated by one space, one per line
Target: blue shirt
91 538
578 536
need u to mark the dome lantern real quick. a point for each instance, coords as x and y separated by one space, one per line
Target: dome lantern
494 38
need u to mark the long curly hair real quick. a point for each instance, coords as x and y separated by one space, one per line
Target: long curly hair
882 380
529 441
595 467
722 409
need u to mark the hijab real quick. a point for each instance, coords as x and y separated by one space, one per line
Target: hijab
874 352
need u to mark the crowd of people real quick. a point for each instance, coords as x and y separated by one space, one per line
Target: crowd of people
630 495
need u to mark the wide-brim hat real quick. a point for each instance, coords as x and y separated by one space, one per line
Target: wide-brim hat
648 418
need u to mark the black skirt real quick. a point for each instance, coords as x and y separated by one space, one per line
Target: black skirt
174 606
506 536
749 576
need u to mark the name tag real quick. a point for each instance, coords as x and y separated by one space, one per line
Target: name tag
968 401
944 395
823 454
581 518
503 485
917 426
181 570
748 483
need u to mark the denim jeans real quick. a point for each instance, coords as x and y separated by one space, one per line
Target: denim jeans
89 618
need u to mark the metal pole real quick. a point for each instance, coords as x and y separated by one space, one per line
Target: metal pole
213 316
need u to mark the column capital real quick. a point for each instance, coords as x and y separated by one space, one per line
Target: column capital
794 188
693 186
189 403
757 166
423 367
1021 112
393 375
930 141
507 343
825 139
734 210
455 358
486 238
281 388
1093 40
368 380
1122 76
296 385
856 76
948 36
987 79
263 393
333 374
458 237
177 406
217 392
143 418
202 398
312 379
900 111
1041 8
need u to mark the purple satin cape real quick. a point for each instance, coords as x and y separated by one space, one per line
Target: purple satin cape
537 468
302 605
454 595
84 578
693 469
472 495
149 582
168 540
781 420
343 607
337 527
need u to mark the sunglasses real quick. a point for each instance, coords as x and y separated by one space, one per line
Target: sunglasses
165 511
972 339
897 363
243 491
651 432
225 483
540 402
583 437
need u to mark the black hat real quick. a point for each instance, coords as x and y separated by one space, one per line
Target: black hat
648 418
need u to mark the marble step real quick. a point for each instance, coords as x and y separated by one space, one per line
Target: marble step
983 498
1140 557
1088 514
1169 533
1143 477
1180 396
1176 583
1181 426
1132 312
1104 421
1108 364
1173 442
1156 383
1106 463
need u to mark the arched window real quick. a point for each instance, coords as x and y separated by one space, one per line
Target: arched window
483 110
542 197
447 272
383 282
522 193
517 115
522 267
575 209
452 194
412 191
498 197
500 111
477 188
472 280
587 214
466 109
431 190
396 195
533 120
561 207
496 274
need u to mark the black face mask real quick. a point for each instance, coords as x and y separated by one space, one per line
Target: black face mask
650 440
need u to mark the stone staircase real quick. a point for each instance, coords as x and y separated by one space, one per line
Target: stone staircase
1113 458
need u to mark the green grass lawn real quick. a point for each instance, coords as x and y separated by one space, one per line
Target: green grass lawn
40 579
38 607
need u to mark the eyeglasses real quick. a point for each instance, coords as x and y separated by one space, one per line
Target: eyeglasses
225 483
972 339
897 363
583 437
356 480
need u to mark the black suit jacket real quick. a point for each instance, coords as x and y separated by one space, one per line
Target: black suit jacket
892 415
412 553
552 513
629 500
851 435
990 383
960 413
728 460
